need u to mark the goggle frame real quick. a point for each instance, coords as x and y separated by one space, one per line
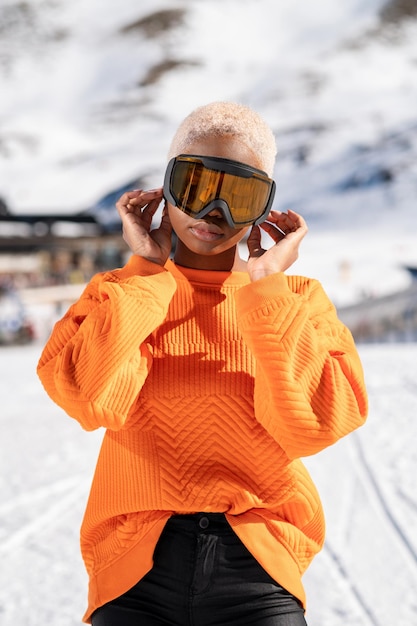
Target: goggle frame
225 166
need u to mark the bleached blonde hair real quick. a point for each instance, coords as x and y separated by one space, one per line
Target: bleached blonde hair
219 119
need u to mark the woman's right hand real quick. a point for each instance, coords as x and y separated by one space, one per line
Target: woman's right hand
136 209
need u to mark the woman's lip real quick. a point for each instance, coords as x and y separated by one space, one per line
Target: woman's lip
206 231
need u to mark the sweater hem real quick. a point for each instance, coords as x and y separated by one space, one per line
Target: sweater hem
262 544
123 573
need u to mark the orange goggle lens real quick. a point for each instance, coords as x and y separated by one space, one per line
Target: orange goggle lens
198 184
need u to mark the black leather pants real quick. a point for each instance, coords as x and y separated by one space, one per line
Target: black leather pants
202 576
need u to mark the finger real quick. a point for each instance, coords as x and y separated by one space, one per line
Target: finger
149 211
141 205
287 222
146 196
280 230
254 242
164 231
274 231
129 196
165 220
298 220
282 221
123 205
137 198
295 216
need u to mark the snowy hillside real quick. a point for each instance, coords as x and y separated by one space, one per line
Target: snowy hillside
91 95
365 576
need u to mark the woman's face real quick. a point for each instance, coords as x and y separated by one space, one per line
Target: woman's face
209 242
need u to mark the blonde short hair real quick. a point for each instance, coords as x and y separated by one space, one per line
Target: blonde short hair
218 119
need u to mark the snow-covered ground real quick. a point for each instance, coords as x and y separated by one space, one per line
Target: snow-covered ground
365 576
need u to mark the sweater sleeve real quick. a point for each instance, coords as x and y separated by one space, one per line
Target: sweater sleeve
309 384
97 358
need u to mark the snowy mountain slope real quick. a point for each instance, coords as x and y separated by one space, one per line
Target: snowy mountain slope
91 95
78 80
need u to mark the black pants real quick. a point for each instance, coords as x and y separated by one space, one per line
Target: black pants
202 576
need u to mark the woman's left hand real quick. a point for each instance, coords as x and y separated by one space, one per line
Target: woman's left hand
263 262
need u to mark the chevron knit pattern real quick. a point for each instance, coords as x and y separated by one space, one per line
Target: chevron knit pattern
211 388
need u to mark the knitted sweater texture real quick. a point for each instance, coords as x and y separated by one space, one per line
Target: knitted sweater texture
211 388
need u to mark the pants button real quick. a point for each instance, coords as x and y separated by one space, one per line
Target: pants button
204 523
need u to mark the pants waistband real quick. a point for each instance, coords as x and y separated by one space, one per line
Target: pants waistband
203 521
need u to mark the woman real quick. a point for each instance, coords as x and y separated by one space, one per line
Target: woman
212 375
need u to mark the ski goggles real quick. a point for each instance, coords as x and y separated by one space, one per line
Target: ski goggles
198 184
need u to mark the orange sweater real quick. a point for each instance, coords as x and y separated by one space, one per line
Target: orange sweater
211 388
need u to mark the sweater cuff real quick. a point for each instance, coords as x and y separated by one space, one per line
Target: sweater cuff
259 293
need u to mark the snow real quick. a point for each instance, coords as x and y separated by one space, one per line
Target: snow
338 87
366 575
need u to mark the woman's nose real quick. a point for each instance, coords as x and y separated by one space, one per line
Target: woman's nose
215 212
